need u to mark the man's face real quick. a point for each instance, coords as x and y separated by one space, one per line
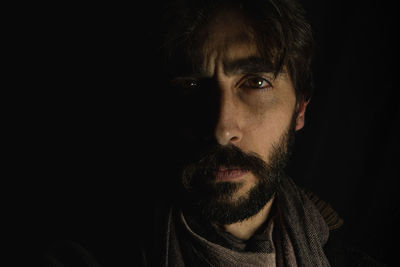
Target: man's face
250 110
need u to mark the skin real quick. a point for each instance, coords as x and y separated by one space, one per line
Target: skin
255 109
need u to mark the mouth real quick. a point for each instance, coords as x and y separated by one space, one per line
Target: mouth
224 174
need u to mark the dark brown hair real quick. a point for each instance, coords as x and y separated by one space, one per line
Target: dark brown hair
280 29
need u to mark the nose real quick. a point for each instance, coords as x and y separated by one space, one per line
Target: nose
227 130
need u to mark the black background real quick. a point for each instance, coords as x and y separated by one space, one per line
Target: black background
91 136
348 151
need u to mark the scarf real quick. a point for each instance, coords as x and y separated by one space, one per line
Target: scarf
297 232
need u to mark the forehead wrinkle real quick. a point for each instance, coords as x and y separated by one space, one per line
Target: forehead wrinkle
230 53
225 36
205 65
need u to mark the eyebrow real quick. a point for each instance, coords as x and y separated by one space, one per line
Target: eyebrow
248 65
252 64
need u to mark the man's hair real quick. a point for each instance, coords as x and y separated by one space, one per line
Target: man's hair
279 27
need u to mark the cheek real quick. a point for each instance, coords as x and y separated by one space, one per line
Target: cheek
266 121
257 103
267 112
263 135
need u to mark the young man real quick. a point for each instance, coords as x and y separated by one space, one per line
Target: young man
241 75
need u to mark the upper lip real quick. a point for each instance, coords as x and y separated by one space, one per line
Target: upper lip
228 173
227 169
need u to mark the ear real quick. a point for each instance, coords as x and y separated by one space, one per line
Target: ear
301 112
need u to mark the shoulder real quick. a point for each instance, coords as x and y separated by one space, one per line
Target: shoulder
68 253
341 254
337 251
62 253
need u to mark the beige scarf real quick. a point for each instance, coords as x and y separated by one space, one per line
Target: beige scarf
297 233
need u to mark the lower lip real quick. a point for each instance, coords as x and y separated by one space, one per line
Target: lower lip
229 174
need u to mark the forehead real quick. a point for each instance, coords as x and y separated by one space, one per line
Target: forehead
225 38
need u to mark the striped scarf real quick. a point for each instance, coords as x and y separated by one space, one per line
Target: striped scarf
297 233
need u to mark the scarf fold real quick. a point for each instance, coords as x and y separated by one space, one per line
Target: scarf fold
298 234
301 230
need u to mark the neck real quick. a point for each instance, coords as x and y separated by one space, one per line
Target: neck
245 230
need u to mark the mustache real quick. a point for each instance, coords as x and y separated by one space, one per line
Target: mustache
230 157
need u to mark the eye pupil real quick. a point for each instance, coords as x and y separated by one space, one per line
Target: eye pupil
256 82
189 87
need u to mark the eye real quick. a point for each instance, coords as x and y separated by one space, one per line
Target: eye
186 87
190 84
185 83
256 83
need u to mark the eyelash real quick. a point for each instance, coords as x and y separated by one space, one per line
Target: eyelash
191 84
246 79
186 86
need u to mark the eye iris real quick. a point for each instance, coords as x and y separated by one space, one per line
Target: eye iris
189 87
192 84
256 82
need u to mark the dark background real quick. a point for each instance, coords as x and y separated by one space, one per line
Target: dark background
348 151
91 139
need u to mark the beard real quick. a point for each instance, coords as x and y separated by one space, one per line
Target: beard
217 202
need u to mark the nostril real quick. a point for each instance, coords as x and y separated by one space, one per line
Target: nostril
234 139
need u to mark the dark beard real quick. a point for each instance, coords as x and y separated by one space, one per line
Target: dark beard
214 202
